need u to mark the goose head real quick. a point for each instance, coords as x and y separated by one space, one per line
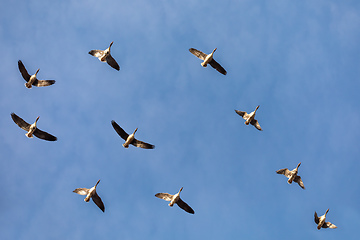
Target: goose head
326 211
111 44
135 131
97 183
36 120
298 165
37 71
257 108
180 190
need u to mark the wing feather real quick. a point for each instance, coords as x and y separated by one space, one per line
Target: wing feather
328 225
98 202
256 124
44 135
141 144
23 71
284 171
184 206
198 53
165 196
97 53
81 191
119 130
217 66
316 218
111 61
20 122
299 181
43 83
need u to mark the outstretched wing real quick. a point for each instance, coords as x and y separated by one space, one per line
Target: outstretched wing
184 206
198 53
244 115
119 130
98 202
43 83
165 196
256 124
44 135
217 66
328 225
20 122
141 144
284 171
111 61
23 71
81 191
299 181
316 219
97 53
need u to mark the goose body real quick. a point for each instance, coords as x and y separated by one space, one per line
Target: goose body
105 56
292 175
250 118
175 199
130 139
32 128
208 59
320 221
91 193
31 80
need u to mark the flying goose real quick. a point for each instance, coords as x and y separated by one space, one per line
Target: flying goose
250 118
105 56
91 193
175 199
32 128
130 139
32 80
292 175
320 221
208 58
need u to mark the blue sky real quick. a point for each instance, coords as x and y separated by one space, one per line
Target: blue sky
298 60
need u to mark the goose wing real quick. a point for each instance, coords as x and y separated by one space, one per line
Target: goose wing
217 66
43 83
198 53
184 206
119 130
165 196
141 144
81 191
20 122
111 61
256 124
98 202
328 225
299 181
97 53
316 218
44 135
23 71
244 115
284 171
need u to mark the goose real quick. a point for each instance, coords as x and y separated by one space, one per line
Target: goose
320 221
105 56
32 80
175 199
91 193
32 128
250 118
292 175
208 58
130 139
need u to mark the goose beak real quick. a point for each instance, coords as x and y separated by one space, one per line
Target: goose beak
37 118
135 130
327 211
37 71
111 44
299 164
214 49
181 189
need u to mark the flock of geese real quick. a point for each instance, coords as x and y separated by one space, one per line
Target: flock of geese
105 56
